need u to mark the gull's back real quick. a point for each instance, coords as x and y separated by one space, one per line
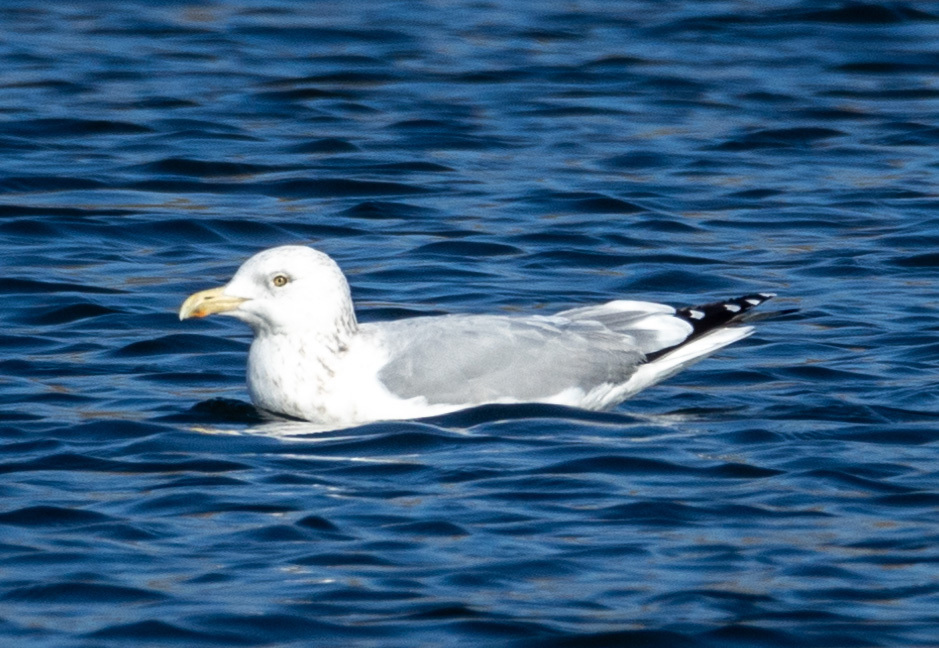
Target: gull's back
593 356
474 359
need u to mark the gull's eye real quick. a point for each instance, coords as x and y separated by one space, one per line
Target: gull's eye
280 280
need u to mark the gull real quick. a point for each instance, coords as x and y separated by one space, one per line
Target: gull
311 359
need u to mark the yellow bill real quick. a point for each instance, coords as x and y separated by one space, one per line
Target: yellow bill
209 302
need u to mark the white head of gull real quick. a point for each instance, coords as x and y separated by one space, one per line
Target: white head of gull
310 359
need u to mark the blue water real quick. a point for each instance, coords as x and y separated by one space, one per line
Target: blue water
471 157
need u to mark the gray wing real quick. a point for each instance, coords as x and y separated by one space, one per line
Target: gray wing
652 326
483 358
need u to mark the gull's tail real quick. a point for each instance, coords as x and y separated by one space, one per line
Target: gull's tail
714 326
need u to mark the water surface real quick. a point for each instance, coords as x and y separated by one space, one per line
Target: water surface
471 157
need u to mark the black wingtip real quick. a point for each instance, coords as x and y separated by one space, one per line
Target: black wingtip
708 317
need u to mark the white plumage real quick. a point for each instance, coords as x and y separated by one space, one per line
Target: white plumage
311 359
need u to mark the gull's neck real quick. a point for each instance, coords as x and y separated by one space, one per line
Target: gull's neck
292 370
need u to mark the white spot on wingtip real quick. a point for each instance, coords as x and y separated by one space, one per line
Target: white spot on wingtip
733 308
695 314
767 295
753 302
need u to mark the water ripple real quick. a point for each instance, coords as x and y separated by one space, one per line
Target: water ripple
523 157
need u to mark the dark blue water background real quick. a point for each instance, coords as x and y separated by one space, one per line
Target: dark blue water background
471 157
